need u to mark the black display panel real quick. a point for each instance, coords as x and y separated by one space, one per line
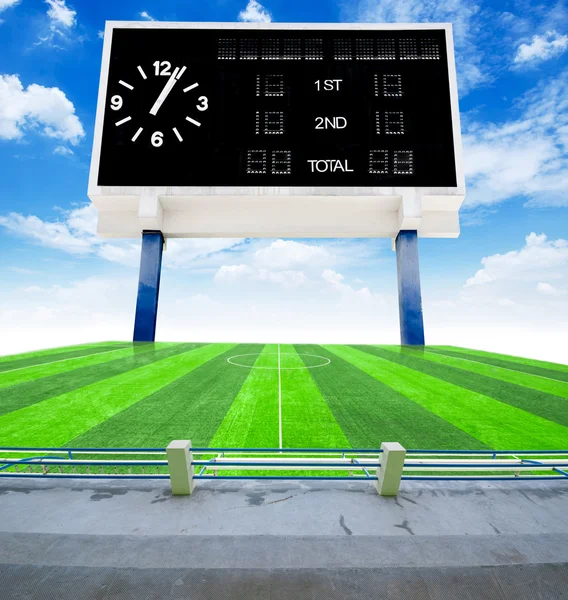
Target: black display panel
234 107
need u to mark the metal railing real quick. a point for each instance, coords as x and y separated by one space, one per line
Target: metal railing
347 464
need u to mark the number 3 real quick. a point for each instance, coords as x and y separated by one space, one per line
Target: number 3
204 103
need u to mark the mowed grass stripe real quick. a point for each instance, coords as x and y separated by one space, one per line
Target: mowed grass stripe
506 366
541 365
370 412
542 404
307 421
189 408
46 359
252 418
24 394
494 423
67 365
48 351
57 420
541 384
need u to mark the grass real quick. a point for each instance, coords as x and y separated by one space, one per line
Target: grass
371 412
57 420
116 394
307 420
545 405
252 418
30 361
498 425
528 365
13 377
27 393
53 351
191 406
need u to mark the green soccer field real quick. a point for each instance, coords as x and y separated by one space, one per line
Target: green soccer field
116 394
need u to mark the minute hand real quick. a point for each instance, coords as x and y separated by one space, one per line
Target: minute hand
167 89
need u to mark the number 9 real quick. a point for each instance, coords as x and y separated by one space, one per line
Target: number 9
116 102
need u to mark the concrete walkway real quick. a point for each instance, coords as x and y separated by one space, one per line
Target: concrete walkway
258 540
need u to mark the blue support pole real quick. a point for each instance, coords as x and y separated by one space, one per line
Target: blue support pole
409 295
148 286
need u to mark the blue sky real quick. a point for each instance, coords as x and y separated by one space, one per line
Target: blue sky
61 284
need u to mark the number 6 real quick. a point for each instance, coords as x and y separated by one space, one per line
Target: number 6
157 139
204 103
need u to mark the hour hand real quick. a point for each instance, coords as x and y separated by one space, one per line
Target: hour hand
167 89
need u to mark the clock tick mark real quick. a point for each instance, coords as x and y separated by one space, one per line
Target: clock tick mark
126 85
192 121
190 87
178 135
123 121
182 71
135 136
142 72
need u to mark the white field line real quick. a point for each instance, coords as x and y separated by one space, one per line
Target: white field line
58 361
496 367
279 400
230 360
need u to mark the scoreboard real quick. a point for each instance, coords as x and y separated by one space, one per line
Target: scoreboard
330 125
295 108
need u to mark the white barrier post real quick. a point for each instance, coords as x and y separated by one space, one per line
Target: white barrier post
390 471
181 470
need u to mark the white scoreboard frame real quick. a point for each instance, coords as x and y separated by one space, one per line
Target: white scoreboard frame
268 212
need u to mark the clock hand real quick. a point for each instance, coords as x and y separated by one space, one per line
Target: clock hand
167 89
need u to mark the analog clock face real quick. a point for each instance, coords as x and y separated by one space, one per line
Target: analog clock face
157 104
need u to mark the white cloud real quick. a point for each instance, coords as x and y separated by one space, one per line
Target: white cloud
230 273
505 302
461 13
284 254
332 277
60 25
542 47
516 304
349 295
36 108
5 4
443 304
63 151
76 234
235 273
283 262
546 288
144 14
540 259
101 34
524 156
255 12
60 14
50 235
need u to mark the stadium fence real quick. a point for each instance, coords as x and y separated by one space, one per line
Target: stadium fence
183 465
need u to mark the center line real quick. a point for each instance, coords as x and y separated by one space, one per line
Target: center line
279 400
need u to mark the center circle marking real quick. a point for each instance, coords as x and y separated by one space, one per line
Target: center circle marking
232 360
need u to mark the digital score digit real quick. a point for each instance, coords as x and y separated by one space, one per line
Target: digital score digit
243 107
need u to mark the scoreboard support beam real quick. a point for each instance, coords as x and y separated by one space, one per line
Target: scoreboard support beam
148 286
409 294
